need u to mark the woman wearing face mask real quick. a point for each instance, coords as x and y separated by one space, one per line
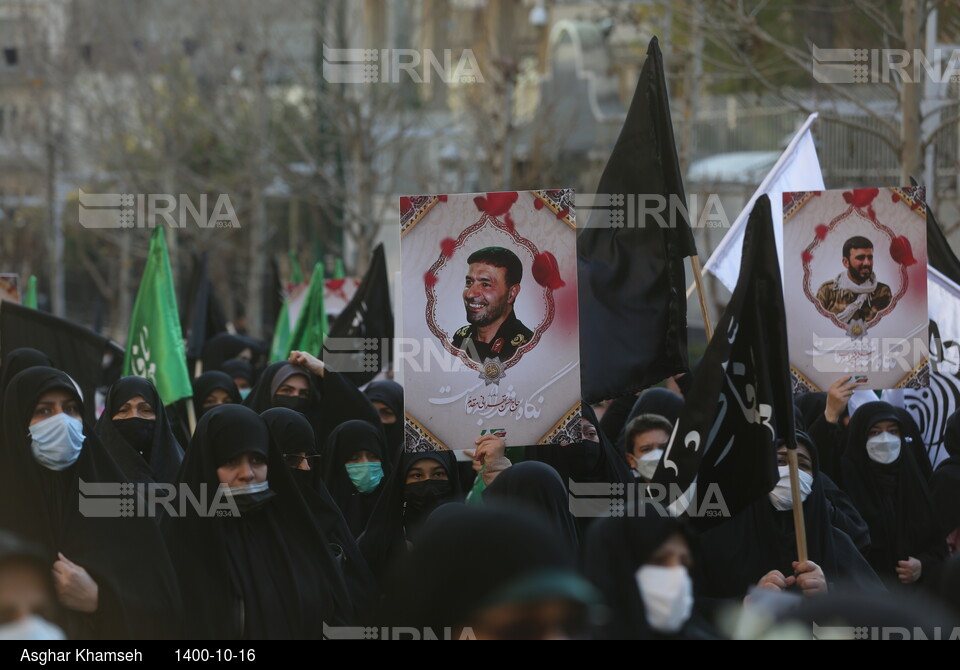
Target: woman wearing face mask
113 574
136 433
642 567
885 483
242 374
304 384
758 546
266 570
355 465
422 482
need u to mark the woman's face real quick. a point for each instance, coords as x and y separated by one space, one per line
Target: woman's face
243 470
135 408
58 401
672 553
364 456
217 397
879 427
804 461
387 415
296 386
426 469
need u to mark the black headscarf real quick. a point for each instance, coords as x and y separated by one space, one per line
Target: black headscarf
15 362
537 486
384 542
158 457
18 360
945 484
333 400
224 346
913 442
238 368
347 439
511 545
830 438
584 461
740 551
209 382
125 556
661 402
390 393
893 499
291 432
269 573
614 549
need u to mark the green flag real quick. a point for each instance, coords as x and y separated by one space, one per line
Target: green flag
296 276
311 328
280 347
155 344
338 272
30 298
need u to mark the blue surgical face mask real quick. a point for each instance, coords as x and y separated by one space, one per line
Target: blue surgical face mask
244 393
365 476
56 441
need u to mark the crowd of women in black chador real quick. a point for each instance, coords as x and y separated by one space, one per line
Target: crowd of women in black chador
315 518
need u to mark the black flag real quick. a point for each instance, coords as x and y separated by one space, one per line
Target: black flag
633 307
939 254
741 398
206 317
76 350
358 344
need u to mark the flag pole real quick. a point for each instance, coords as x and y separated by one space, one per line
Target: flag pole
798 522
697 275
192 413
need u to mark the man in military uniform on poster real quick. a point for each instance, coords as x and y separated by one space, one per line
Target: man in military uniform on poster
489 295
855 296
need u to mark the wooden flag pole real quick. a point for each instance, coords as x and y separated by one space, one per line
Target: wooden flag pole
191 413
798 523
698 282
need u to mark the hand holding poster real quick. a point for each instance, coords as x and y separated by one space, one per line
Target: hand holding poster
490 340
855 287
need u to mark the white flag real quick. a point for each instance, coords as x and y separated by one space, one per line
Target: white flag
797 169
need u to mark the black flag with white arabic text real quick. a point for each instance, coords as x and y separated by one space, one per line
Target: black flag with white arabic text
723 445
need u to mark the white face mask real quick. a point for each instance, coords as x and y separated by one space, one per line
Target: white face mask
884 448
56 441
781 495
667 596
31 628
647 464
247 489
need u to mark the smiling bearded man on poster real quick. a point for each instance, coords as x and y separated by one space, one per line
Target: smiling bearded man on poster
489 294
855 296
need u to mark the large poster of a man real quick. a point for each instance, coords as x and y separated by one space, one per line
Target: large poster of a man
490 324
855 287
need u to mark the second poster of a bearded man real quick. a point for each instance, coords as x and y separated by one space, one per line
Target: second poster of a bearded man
855 288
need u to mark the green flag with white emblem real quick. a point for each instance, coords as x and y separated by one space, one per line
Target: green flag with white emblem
155 344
